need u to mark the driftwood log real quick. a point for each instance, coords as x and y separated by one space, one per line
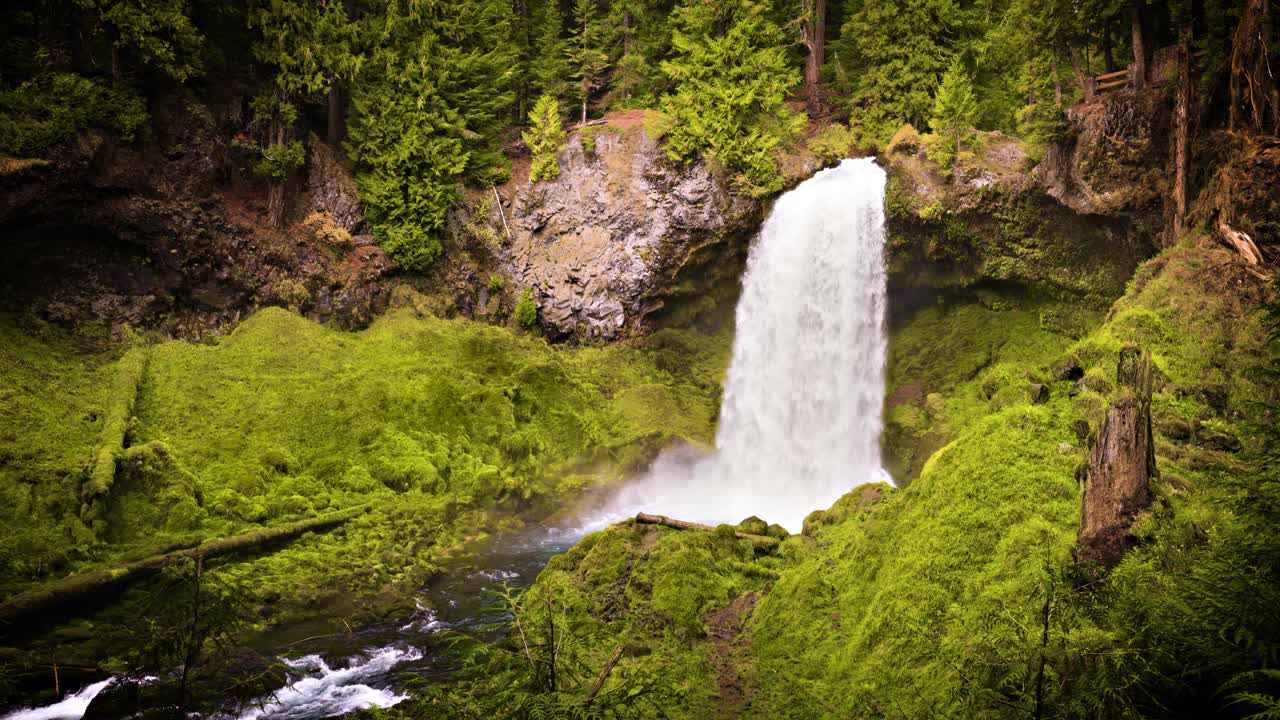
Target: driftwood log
759 542
83 586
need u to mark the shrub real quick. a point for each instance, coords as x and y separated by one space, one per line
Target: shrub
527 309
280 160
906 141
545 138
51 108
497 283
833 143
322 227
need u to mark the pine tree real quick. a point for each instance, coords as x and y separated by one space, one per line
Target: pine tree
891 55
434 95
953 112
545 138
587 51
313 47
158 32
732 76
549 70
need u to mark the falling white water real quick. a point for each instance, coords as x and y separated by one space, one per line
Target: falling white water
71 707
801 418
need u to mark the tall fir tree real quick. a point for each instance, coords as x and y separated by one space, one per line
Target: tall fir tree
436 93
891 57
953 112
589 51
731 75
549 70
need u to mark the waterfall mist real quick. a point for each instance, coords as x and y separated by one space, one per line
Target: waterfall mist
800 420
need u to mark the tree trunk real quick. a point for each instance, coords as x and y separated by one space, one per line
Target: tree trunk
275 189
76 591
761 542
1182 118
336 129
1121 464
1083 78
1057 84
815 30
1108 60
1139 71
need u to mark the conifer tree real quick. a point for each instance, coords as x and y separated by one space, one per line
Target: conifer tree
587 51
158 32
545 138
549 69
953 111
313 47
433 97
891 55
731 76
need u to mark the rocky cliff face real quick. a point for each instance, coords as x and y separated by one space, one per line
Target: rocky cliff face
162 232
624 237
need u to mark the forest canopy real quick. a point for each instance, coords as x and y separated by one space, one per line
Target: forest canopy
423 96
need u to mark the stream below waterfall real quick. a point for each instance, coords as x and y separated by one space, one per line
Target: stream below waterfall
336 673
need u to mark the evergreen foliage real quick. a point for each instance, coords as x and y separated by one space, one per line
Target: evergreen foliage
526 312
159 32
545 139
427 111
731 75
52 108
954 109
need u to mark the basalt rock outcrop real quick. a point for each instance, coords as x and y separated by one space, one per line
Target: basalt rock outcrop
169 231
624 237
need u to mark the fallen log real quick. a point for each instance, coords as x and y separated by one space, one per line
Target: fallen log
85 585
759 542
1240 242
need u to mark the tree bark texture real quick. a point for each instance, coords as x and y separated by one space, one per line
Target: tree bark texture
1121 464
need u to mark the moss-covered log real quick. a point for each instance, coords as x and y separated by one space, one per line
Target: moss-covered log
124 391
77 588
763 543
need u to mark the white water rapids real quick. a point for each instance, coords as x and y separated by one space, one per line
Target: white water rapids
801 417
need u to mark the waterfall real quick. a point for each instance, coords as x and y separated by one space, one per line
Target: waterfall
801 417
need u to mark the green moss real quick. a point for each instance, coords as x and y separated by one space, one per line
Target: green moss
948 361
437 423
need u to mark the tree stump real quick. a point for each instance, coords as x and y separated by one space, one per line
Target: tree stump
1121 464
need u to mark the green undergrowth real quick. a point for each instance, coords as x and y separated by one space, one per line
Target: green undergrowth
643 595
442 426
953 362
959 597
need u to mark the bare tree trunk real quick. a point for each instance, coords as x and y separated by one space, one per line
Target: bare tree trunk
275 189
1121 464
336 129
1182 116
1057 84
1083 77
815 30
1139 48
1108 61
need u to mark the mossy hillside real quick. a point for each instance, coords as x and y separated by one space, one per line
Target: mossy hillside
948 362
428 419
51 401
650 590
867 611
932 602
